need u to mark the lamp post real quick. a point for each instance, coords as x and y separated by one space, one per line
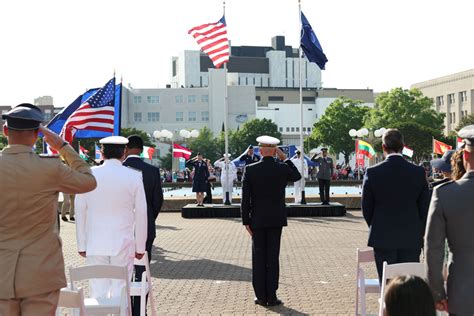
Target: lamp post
168 137
364 132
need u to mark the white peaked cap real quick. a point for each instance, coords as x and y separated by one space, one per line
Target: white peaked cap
267 141
114 140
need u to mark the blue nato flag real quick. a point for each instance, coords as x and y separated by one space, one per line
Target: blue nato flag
310 44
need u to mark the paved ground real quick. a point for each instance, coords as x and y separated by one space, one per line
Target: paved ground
203 266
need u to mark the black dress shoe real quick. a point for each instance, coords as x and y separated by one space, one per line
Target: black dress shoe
71 218
259 302
274 302
64 218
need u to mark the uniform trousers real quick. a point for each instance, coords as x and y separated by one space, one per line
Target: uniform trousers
265 262
324 186
107 288
42 304
68 204
298 186
227 186
393 256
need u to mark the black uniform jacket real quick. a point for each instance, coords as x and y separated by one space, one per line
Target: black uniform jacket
263 192
153 190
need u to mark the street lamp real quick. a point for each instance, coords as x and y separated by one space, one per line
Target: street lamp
169 136
364 132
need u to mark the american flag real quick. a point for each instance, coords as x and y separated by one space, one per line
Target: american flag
96 113
212 39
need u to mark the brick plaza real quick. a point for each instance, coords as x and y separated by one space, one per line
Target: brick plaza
203 266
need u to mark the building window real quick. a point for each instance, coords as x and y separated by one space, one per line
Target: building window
275 98
287 129
137 99
179 116
454 117
304 129
309 129
309 99
204 98
153 116
179 99
137 116
153 99
192 116
280 129
451 99
191 99
205 116
257 98
440 100
292 129
463 96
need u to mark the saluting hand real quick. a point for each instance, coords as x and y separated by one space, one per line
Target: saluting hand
280 154
54 140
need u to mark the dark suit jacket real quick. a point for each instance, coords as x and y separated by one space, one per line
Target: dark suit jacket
263 192
153 190
250 159
395 201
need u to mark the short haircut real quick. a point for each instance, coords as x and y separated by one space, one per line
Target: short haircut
113 151
393 140
135 142
409 295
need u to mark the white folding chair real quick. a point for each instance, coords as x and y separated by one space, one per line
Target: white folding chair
144 287
364 285
113 305
391 271
73 300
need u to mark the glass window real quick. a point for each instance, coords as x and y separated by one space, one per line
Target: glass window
153 116
275 98
309 99
137 116
192 116
204 98
205 116
257 98
451 99
191 98
292 129
297 129
463 96
179 116
137 99
287 129
153 99
179 99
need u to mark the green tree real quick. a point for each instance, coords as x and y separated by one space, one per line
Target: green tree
465 121
240 139
167 160
3 141
206 144
332 129
125 132
412 113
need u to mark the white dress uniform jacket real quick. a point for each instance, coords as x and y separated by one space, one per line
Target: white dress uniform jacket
113 217
304 173
227 177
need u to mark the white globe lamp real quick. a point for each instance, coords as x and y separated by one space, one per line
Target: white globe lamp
352 133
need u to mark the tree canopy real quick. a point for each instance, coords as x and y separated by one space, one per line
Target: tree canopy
332 130
240 139
465 121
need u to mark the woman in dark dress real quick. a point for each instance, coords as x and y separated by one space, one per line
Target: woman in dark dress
200 178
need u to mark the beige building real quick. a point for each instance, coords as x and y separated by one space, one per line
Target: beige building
452 95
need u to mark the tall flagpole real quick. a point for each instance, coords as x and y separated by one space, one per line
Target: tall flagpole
302 154
226 114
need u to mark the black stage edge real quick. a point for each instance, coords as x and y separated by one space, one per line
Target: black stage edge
294 210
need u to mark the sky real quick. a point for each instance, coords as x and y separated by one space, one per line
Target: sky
63 47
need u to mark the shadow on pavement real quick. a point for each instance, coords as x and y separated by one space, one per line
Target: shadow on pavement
195 269
283 310
160 227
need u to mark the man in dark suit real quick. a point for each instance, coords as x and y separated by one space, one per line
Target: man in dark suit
154 200
264 215
395 201
250 157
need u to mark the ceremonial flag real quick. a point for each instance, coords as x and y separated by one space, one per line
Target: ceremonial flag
181 151
212 39
407 151
459 143
58 122
98 154
147 152
365 149
440 147
310 44
83 153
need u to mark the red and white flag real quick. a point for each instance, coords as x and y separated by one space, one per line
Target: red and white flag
181 151
407 151
212 39
459 143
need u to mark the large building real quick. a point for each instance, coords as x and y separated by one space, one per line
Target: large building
452 95
260 66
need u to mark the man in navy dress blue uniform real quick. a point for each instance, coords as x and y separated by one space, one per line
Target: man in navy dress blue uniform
264 215
154 200
250 157
395 201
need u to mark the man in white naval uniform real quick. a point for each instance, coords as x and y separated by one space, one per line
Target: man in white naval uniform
296 160
111 221
228 175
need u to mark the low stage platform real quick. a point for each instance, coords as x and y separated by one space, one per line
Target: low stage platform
294 210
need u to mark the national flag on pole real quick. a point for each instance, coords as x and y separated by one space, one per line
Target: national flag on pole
181 151
83 153
365 149
407 151
440 147
310 44
459 143
147 152
98 154
212 39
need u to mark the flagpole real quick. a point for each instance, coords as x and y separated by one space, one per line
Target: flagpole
120 105
226 114
302 154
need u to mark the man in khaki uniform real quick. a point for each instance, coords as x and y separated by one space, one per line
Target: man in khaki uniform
31 259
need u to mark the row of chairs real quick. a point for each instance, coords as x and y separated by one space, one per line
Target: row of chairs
365 285
73 297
